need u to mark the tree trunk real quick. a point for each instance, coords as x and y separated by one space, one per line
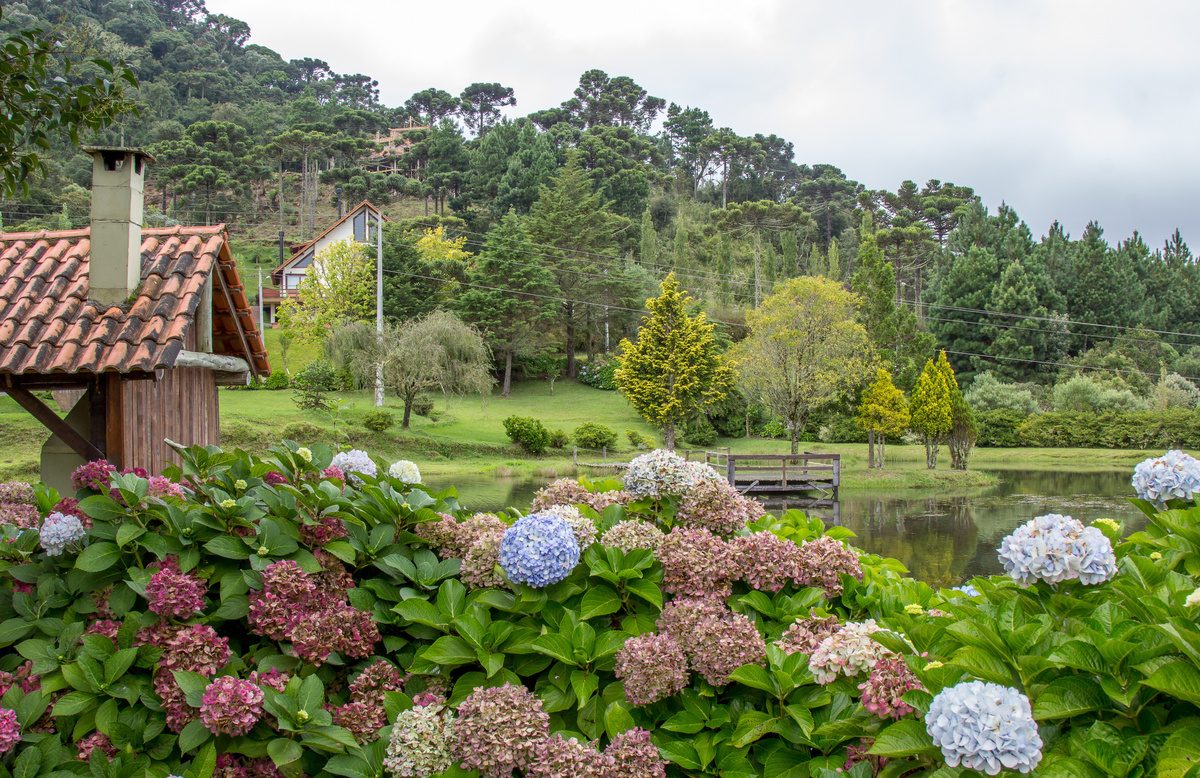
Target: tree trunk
795 440
882 446
303 198
669 436
507 373
757 286
570 340
870 449
408 402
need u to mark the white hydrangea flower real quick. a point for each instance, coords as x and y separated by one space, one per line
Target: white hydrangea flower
420 742
60 530
1193 599
850 651
985 727
354 461
405 471
1173 476
1055 548
661 473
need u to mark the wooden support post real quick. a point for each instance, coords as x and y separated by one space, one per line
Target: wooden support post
114 419
50 420
731 471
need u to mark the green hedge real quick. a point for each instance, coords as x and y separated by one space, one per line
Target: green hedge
1173 428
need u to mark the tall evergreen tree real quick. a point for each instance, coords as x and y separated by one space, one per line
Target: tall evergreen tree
570 224
883 411
931 407
505 296
674 369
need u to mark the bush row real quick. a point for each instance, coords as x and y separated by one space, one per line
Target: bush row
1172 428
532 436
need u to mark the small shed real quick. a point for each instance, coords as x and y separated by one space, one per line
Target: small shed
133 329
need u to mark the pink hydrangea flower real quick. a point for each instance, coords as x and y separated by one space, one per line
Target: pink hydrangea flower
231 706
806 634
822 562
697 563
10 730
559 757
175 595
634 755
160 486
92 742
716 505
652 667
497 729
883 691
767 561
333 473
95 476
197 648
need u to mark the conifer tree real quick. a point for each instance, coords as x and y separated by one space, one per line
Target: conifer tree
505 297
883 411
649 249
932 407
570 223
674 370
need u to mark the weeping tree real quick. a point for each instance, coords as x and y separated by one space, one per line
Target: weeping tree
437 352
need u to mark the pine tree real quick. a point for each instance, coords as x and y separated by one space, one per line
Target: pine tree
674 369
883 411
505 297
931 407
570 221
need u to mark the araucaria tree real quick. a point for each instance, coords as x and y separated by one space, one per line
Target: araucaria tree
932 406
804 351
339 288
883 411
674 369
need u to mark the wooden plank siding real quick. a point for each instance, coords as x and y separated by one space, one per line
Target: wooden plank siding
182 406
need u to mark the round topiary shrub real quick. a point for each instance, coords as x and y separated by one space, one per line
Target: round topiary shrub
592 435
378 421
527 433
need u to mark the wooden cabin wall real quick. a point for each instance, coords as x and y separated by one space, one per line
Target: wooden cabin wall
182 406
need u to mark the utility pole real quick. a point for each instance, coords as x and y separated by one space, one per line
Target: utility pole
379 307
262 326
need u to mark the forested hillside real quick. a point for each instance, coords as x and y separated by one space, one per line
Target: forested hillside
641 186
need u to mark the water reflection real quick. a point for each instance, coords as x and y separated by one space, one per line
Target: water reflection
942 538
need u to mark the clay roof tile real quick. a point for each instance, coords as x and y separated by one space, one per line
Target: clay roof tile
44 300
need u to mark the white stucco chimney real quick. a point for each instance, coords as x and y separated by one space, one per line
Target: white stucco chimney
115 261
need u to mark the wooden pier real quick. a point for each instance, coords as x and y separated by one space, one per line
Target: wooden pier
802 479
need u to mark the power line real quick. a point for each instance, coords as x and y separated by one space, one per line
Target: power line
543 296
1063 333
1049 318
1060 364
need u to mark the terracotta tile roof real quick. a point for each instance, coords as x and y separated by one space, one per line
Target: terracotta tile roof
48 324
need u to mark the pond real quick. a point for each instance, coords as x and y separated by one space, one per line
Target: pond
943 539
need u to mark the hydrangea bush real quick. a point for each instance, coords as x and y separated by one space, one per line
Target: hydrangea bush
283 616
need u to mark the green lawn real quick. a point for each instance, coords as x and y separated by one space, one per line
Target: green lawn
466 435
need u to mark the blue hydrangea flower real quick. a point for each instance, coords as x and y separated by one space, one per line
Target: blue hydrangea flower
354 461
1056 548
967 589
539 549
60 530
985 727
1173 476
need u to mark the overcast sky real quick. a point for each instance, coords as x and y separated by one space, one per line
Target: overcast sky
1068 110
